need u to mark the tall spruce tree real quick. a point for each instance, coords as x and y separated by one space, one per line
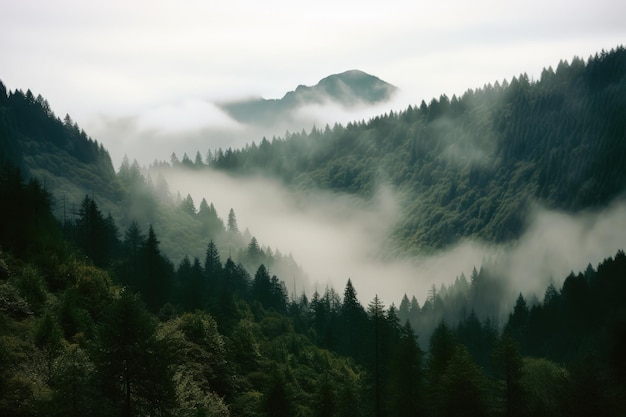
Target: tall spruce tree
133 364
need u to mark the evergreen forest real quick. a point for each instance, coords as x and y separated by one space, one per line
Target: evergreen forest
119 297
469 166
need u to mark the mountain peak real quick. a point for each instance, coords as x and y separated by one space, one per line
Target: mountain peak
352 75
355 86
348 89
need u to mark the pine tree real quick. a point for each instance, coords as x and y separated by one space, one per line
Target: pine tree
254 252
376 312
405 307
93 233
198 161
232 222
131 250
277 402
212 267
441 349
518 321
155 273
261 287
509 370
406 376
463 387
353 320
133 366
188 206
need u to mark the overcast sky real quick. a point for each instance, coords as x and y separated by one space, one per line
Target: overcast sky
136 71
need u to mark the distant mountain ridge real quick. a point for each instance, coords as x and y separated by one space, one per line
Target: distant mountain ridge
347 89
472 166
465 167
71 166
52 150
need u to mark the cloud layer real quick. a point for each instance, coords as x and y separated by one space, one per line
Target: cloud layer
140 77
336 237
114 60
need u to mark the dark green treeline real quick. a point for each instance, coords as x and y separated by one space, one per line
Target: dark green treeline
140 336
468 166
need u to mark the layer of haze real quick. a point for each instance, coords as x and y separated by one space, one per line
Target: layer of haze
196 125
141 76
336 237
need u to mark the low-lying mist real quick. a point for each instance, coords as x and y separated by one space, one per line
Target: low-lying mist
196 124
336 236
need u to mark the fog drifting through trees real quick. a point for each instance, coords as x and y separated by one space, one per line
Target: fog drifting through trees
335 237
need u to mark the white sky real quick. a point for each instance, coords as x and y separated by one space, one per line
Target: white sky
127 71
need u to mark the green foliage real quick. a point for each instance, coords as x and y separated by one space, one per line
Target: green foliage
470 166
442 347
26 222
73 383
277 401
544 384
463 386
78 340
509 370
406 376
270 292
94 234
12 304
155 273
44 146
133 362
93 287
579 320
92 347
31 286
201 375
48 338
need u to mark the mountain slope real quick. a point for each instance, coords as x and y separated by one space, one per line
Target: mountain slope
472 166
71 165
56 152
346 89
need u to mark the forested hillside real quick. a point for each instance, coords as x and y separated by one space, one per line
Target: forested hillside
78 172
98 318
471 166
140 336
56 152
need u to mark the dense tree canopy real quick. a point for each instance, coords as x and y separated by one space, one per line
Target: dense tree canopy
97 322
210 337
471 166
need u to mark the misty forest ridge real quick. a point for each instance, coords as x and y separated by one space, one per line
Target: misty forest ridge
348 89
162 290
472 166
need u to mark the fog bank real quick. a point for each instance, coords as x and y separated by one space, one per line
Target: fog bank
335 237
197 124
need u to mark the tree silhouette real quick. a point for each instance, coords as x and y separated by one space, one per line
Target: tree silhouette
132 362
156 273
232 222
353 319
463 387
95 235
509 371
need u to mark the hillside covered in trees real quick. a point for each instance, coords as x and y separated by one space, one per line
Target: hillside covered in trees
113 327
70 165
104 309
470 166
56 152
